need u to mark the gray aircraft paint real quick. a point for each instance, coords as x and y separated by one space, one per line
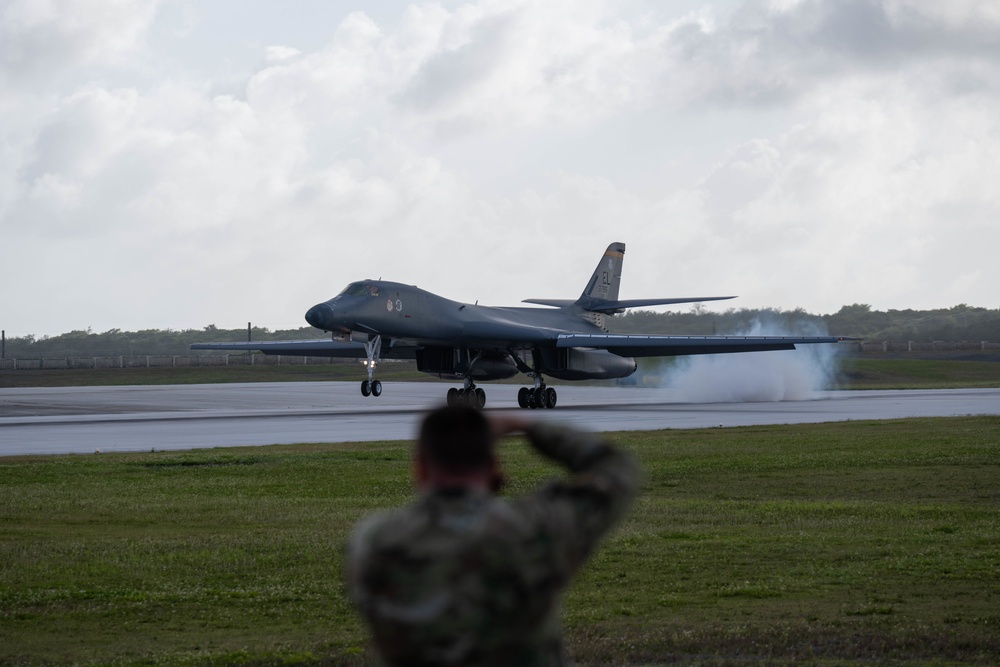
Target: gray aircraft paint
375 319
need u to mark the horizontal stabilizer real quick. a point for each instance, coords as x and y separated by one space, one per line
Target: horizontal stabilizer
621 305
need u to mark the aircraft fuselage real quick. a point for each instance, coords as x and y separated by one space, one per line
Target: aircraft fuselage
409 313
457 339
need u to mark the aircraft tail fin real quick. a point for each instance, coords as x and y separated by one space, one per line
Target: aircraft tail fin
601 293
604 284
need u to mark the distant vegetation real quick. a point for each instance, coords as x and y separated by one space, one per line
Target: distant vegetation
116 342
958 323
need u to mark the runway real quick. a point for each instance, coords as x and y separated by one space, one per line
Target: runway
77 420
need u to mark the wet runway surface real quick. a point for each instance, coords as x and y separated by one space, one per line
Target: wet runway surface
173 417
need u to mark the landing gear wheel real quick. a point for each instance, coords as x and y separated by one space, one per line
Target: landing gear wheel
377 388
523 399
471 397
541 399
365 388
533 399
550 397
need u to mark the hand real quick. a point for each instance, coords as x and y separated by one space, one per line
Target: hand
505 424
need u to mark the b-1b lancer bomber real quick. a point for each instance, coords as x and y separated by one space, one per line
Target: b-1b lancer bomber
378 319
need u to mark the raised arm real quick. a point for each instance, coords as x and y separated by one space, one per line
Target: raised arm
579 509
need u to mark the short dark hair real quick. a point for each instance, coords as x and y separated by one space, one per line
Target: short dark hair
456 439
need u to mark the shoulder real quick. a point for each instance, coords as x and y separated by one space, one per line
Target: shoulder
382 527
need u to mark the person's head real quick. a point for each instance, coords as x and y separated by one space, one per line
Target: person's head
455 448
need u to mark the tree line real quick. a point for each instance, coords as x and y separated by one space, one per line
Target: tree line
958 323
152 342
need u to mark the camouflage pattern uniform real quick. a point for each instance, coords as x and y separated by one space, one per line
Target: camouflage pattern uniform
461 577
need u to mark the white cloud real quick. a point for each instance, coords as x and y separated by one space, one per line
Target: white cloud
40 38
280 53
816 154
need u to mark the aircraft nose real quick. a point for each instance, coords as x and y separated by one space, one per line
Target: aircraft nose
319 315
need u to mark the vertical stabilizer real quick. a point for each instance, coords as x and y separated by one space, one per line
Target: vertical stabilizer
604 284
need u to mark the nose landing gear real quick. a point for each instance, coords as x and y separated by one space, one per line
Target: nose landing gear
373 350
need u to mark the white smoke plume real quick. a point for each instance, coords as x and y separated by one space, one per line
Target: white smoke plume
787 375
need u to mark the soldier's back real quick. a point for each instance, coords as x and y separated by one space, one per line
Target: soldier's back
461 578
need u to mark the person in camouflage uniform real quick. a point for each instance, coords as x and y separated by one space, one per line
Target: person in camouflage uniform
462 577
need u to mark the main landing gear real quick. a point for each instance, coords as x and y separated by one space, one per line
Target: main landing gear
538 396
373 350
469 395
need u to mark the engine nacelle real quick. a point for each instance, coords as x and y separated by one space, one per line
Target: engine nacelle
578 363
450 362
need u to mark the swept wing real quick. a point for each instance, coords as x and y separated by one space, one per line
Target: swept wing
323 347
634 345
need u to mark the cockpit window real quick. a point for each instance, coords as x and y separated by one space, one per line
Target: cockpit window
360 289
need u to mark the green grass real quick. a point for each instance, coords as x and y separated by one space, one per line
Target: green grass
877 373
826 544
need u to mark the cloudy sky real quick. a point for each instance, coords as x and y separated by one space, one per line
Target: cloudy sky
172 164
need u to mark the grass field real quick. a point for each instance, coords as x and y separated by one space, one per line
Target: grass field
880 373
848 543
